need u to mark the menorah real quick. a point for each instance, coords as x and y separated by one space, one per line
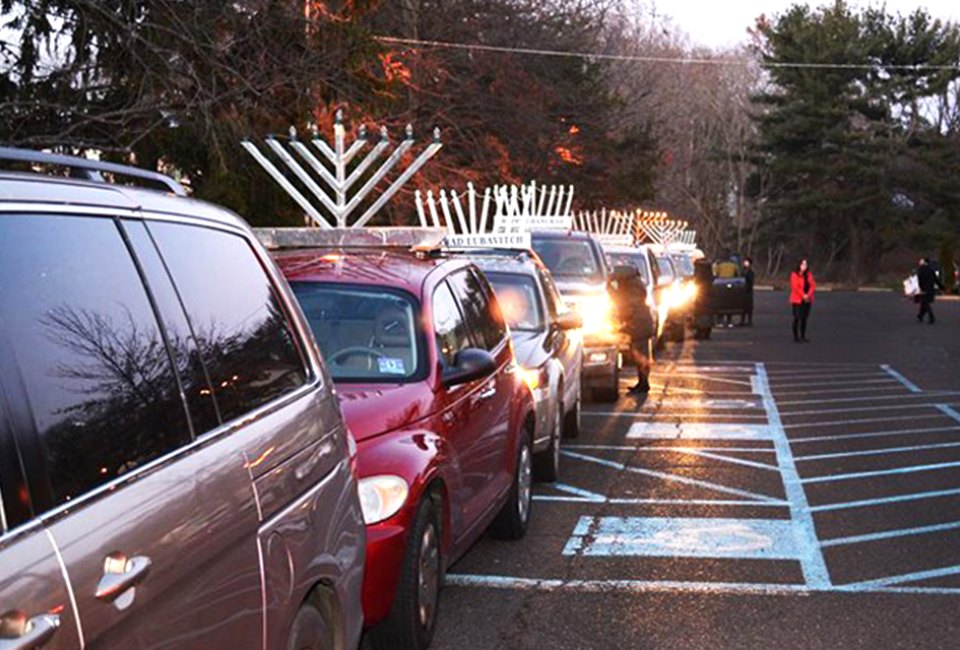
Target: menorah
611 227
514 209
658 228
341 204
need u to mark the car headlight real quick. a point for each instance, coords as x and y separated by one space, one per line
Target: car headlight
381 497
596 312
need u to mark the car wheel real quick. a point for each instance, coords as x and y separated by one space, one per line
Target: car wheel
413 617
310 630
514 518
546 464
571 422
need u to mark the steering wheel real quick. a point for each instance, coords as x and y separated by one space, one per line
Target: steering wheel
344 354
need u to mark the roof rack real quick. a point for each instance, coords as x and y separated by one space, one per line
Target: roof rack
413 239
90 170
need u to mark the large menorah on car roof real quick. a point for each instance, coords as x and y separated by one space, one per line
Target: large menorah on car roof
514 208
341 205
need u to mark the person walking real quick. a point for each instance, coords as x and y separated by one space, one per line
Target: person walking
746 318
929 283
630 297
802 286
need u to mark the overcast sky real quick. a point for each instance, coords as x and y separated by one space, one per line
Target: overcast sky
717 23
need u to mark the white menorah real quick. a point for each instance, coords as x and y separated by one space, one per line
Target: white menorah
515 208
339 181
606 223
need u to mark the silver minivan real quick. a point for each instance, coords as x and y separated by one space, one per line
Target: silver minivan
174 467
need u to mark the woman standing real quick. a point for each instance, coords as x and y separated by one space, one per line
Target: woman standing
802 287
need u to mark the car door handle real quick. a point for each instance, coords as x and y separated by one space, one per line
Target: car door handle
39 630
487 393
120 574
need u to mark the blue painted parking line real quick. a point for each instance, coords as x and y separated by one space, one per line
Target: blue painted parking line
909 385
639 447
846 423
905 578
878 452
880 501
949 411
698 431
910 469
616 501
877 434
768 539
872 398
890 534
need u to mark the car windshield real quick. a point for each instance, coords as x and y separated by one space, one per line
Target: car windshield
569 258
636 260
365 334
684 264
666 266
519 300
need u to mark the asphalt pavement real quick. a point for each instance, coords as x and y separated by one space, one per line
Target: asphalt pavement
766 494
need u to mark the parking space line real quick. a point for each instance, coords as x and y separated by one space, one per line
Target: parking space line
907 577
910 469
698 431
877 434
647 447
912 387
812 562
638 415
844 423
618 501
632 586
583 494
851 409
671 477
844 382
818 377
730 459
878 452
836 391
872 398
890 534
949 411
866 503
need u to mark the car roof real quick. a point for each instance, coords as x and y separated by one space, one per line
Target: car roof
29 188
503 262
385 267
560 234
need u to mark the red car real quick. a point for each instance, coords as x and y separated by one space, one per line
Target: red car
426 378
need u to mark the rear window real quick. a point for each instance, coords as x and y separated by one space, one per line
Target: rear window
666 266
365 334
570 258
684 265
519 299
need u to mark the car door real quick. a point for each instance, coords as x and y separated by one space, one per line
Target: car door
453 335
492 404
35 606
565 345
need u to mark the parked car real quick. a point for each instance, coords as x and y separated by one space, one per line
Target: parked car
579 269
427 380
174 468
673 292
549 347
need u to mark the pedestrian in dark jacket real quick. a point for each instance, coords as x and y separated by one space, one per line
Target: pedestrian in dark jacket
929 283
630 297
746 318
802 286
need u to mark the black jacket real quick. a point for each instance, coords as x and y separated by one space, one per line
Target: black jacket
928 281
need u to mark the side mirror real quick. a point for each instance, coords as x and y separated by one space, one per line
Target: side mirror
469 365
569 320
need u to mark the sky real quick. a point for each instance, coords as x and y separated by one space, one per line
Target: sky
719 24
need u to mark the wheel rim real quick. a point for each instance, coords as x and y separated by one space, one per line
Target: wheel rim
524 483
428 584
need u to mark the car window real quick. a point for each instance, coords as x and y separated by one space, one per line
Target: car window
449 327
96 371
636 260
569 258
550 293
666 267
684 265
183 344
519 299
246 343
365 333
480 309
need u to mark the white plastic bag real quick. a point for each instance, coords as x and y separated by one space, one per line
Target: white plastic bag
911 286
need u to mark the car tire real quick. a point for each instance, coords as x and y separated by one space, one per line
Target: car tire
514 517
310 630
413 617
546 464
571 421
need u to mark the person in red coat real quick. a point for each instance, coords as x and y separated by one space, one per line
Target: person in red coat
802 287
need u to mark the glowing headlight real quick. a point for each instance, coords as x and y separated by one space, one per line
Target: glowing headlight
596 312
534 378
381 497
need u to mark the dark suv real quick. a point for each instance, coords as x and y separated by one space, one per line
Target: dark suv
174 469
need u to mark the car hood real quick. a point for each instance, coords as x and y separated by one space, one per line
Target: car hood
374 409
528 347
